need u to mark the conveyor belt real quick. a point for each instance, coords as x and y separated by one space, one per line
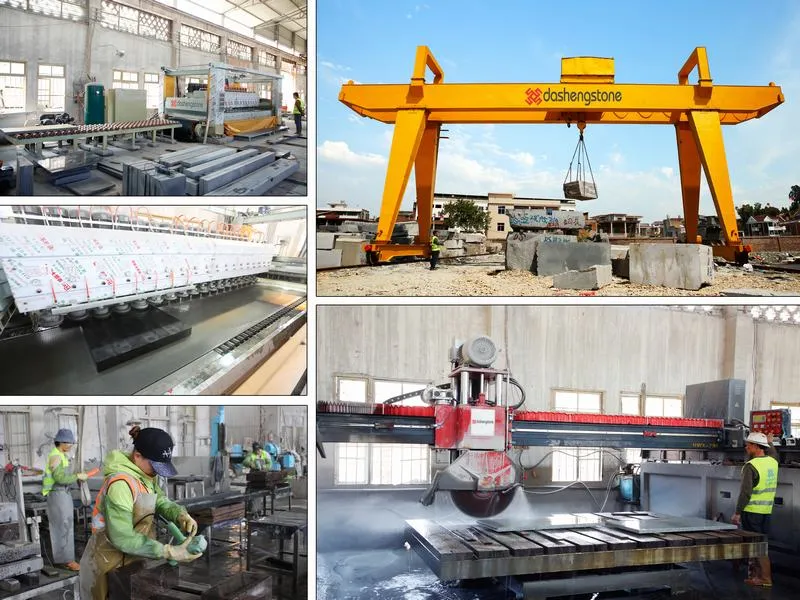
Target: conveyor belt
57 361
464 551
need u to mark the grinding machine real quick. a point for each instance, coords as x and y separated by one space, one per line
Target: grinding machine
478 418
103 302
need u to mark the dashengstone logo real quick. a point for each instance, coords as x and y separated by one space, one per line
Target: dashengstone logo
588 97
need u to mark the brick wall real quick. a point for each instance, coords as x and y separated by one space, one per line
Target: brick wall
788 243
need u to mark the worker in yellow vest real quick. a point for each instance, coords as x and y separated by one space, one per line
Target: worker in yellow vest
124 517
258 460
436 247
58 477
298 111
756 497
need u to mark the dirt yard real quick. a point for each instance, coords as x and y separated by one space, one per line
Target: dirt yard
486 276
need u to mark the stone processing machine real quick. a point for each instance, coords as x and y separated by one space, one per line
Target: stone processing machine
102 303
235 106
479 421
586 94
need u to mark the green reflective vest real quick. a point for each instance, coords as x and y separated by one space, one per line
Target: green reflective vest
49 481
298 107
763 495
435 246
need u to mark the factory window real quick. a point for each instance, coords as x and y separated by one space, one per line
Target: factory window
132 20
15 437
578 464
240 51
654 406
186 427
73 10
399 464
795 412
501 227
266 59
12 87
126 80
202 40
52 86
156 416
351 390
501 210
153 88
351 464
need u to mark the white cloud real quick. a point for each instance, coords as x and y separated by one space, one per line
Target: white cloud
341 154
333 66
667 172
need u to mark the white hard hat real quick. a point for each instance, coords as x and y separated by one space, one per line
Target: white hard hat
757 438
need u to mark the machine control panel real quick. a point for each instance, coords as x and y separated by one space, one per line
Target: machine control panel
778 422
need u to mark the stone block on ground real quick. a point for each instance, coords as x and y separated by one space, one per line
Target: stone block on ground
452 252
348 227
680 266
352 251
621 261
326 241
520 251
473 238
558 257
494 247
329 259
474 249
410 228
592 278
453 244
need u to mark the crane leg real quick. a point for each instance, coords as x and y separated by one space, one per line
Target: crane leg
707 132
425 175
689 163
408 133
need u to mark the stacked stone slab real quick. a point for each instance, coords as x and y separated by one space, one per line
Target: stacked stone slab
326 241
329 259
680 266
621 261
351 251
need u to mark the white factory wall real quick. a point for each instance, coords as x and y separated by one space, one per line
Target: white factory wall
36 39
288 425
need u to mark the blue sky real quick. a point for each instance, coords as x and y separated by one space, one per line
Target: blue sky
635 167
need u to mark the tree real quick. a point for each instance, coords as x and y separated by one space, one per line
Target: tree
794 196
467 216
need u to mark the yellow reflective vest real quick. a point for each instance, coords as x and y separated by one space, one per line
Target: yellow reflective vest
763 496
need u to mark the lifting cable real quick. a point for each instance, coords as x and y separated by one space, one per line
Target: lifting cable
580 171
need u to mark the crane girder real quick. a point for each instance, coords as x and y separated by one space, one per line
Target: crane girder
585 95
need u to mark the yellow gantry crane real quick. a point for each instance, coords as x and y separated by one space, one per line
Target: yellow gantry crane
585 95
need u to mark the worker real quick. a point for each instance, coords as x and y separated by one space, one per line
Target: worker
298 111
435 249
756 497
258 460
123 519
58 477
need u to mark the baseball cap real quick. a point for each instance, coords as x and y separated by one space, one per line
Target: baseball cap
156 446
757 438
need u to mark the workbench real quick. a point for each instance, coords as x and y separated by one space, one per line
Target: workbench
283 527
45 586
464 551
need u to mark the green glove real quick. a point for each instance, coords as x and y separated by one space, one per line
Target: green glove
196 544
182 553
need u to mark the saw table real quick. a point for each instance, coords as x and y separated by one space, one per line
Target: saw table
467 551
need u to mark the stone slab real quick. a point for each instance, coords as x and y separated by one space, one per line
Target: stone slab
218 164
259 181
474 249
352 251
473 238
8 512
90 187
453 252
521 251
218 179
621 261
681 266
592 278
325 241
191 187
453 244
193 161
557 257
29 565
329 259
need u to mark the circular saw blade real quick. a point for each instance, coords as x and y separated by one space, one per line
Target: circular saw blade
481 505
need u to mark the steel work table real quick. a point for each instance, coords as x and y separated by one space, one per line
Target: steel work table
286 526
52 585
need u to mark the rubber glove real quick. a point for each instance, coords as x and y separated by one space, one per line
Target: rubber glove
82 476
180 553
187 524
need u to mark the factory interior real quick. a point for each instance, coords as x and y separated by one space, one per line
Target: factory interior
153 300
251 516
153 98
534 452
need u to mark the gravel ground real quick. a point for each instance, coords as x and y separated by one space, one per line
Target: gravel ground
486 276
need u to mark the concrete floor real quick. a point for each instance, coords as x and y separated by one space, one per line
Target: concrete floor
227 558
285 141
401 575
